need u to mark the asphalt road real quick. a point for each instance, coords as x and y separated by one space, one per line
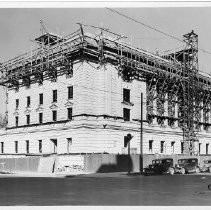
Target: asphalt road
106 189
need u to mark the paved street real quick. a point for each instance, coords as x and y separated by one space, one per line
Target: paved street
106 189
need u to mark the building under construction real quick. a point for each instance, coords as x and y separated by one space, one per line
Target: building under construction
82 93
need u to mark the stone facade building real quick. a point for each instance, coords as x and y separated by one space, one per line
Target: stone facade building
91 111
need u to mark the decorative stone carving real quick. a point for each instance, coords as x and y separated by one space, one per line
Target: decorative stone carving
16 113
27 111
128 103
69 103
39 109
53 106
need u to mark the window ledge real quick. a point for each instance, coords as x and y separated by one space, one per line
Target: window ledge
16 113
69 103
53 106
28 110
39 108
127 103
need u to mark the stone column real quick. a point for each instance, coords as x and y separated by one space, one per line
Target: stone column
166 109
209 116
176 112
202 117
155 108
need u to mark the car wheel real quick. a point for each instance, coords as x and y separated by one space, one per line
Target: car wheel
197 170
171 171
159 172
204 169
182 171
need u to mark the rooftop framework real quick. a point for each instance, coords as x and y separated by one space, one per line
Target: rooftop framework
173 79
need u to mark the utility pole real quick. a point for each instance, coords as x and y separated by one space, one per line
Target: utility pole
141 136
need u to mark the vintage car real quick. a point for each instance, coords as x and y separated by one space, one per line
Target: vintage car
160 166
206 167
187 165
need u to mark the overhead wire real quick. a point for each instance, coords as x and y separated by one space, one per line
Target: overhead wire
152 28
144 24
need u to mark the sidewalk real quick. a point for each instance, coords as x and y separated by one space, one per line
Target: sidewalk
113 174
63 175
31 174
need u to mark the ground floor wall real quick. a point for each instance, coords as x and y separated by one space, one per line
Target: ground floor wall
104 139
83 140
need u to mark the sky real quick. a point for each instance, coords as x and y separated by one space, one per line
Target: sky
18 27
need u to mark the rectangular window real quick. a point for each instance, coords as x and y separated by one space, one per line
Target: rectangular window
27 146
17 103
54 113
54 142
125 141
28 119
16 121
16 146
172 147
40 146
150 145
182 147
54 95
207 149
69 144
2 147
126 95
69 113
28 101
41 98
70 92
162 146
199 148
126 114
40 117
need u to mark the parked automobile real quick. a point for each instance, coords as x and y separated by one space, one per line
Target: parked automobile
206 167
160 166
187 165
